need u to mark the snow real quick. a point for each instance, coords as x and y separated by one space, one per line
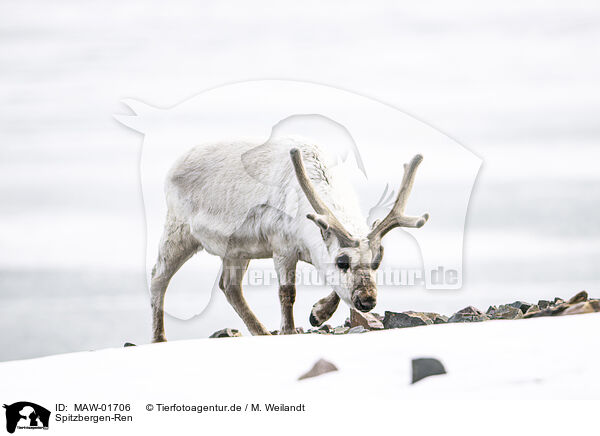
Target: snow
553 359
512 81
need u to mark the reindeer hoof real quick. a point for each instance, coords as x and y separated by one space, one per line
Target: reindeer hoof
314 321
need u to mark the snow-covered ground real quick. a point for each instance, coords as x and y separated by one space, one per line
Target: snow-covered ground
512 361
515 82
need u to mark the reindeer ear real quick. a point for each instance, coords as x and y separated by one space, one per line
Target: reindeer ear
319 220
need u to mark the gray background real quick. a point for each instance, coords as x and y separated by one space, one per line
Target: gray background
517 83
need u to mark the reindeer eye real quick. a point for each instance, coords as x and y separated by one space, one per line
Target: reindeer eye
343 262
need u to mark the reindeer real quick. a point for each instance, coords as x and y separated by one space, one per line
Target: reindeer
216 202
324 309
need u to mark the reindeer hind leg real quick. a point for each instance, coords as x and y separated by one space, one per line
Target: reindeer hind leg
176 247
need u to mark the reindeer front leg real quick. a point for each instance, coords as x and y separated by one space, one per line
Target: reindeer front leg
324 309
286 272
231 284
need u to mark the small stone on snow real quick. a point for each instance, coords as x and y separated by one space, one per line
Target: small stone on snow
321 367
426 367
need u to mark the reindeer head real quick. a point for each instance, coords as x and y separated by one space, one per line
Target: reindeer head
356 257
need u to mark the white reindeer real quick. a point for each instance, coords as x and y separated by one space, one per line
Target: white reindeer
217 201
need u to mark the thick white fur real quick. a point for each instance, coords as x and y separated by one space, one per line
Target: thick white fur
242 200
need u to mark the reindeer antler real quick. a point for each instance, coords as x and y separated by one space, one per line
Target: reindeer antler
396 217
325 218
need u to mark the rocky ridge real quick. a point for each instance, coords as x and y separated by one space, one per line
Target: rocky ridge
359 322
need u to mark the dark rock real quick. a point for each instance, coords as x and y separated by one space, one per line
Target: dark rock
129 344
437 318
226 333
506 312
533 309
557 301
321 367
470 310
578 298
318 331
299 331
469 314
394 320
558 309
544 304
366 320
326 328
521 305
491 310
582 307
539 313
426 367
572 309
425 316
549 311
273 332
358 329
